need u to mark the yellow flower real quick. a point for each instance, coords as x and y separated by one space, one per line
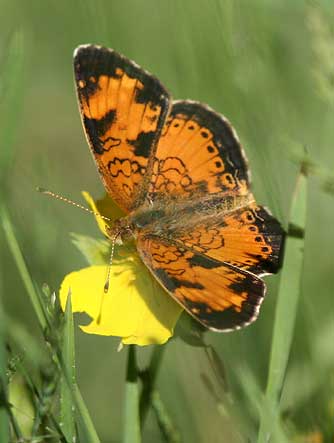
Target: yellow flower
135 307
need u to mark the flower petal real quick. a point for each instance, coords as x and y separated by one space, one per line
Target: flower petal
106 207
103 224
135 308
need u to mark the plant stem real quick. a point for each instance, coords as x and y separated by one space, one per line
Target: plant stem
132 422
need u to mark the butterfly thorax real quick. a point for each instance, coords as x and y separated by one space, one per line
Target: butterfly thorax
166 218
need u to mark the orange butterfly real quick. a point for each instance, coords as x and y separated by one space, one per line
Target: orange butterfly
177 169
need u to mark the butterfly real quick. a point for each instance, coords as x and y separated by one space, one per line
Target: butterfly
178 171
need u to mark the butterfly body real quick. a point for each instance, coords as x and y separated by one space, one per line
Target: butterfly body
178 171
170 217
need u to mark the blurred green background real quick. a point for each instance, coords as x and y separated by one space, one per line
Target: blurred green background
266 65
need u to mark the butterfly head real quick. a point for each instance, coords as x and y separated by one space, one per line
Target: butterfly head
121 231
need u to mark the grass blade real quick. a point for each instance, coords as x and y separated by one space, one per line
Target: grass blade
85 424
4 419
67 410
71 398
22 267
132 421
168 430
285 316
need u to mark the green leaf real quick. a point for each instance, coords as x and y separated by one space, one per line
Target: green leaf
95 251
285 316
131 419
67 409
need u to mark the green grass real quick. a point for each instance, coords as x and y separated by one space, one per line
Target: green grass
285 316
68 382
267 66
4 418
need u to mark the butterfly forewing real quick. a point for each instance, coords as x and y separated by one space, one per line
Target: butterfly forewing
198 154
123 110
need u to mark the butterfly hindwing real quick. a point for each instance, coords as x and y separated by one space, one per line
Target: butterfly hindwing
218 295
198 154
123 109
249 238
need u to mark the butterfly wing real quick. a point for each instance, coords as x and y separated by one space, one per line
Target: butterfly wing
248 238
123 109
218 295
198 154
213 269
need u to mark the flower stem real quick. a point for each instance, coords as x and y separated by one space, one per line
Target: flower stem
149 378
132 422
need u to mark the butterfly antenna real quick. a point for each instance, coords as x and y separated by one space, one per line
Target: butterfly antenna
107 283
71 202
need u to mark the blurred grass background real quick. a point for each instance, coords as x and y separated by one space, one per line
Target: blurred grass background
266 65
